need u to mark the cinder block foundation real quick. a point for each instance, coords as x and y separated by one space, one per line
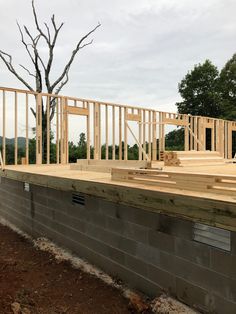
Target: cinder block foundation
151 252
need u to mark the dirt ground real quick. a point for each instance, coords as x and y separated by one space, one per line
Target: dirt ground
33 282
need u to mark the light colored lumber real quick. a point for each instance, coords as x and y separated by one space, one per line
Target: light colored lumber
77 111
4 127
16 126
39 129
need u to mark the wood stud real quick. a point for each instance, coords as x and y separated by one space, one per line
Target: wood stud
116 119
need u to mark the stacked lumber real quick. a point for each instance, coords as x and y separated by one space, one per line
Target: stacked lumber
197 182
162 153
171 159
192 158
106 165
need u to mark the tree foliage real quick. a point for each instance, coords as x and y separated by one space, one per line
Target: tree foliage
227 87
199 90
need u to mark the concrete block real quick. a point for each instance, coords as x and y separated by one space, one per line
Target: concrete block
128 246
223 263
78 212
221 305
175 226
37 189
97 219
93 243
162 241
108 208
192 295
116 270
136 265
205 278
162 278
193 251
127 229
148 254
21 222
138 216
136 232
92 203
64 196
43 210
70 221
233 243
116 225
39 198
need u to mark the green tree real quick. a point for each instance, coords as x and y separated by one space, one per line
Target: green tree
200 91
174 140
82 146
227 86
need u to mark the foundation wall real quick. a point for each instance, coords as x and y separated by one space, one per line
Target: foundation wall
150 252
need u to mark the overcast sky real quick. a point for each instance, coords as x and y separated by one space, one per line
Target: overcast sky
140 53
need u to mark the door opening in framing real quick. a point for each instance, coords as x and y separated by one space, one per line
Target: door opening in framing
77 138
233 144
208 139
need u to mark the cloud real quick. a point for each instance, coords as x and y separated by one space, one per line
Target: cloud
141 52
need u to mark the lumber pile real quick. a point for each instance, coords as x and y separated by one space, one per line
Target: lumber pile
190 181
192 158
105 166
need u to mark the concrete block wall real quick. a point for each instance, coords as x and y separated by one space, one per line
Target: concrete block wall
150 252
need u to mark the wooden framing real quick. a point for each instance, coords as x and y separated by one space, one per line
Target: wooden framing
111 122
208 183
39 129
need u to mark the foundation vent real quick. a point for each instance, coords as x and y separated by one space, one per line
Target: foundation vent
78 199
26 187
213 236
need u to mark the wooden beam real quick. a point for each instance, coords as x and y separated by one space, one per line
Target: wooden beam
57 132
48 129
113 133
88 130
144 131
16 127
63 131
39 129
140 137
77 111
149 135
125 135
186 133
4 128
107 132
96 131
120 133
154 136
27 128
178 122
133 117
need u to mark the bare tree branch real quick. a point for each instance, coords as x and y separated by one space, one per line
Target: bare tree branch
31 74
74 52
8 63
37 24
33 112
49 34
24 43
36 60
48 31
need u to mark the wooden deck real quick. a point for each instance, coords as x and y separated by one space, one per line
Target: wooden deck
208 207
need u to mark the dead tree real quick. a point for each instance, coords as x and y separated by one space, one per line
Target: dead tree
41 68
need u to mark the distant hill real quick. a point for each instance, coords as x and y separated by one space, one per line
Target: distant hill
11 141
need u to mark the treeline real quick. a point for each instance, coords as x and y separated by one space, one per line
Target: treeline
79 150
